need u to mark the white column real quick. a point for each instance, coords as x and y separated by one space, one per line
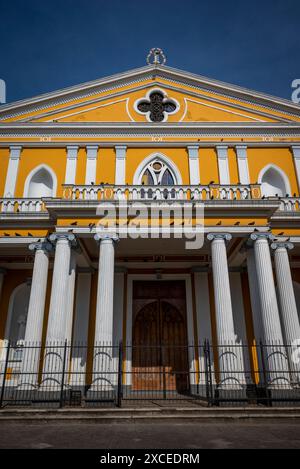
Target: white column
57 321
72 154
104 351
91 164
12 171
275 354
193 152
254 296
242 160
70 296
222 153
230 357
2 274
80 330
35 317
296 155
120 165
287 301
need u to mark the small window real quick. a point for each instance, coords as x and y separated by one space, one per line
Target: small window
157 173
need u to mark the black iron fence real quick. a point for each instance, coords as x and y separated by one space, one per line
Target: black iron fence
63 374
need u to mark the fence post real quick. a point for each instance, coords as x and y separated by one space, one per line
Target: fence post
209 387
61 401
120 375
4 373
261 347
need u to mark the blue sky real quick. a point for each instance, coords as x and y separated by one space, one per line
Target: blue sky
51 44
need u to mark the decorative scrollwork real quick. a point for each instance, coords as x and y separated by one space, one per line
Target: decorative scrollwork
157 106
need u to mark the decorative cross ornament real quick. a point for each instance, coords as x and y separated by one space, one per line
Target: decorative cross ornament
157 106
156 57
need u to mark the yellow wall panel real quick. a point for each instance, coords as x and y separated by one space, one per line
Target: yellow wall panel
208 166
4 158
106 163
55 158
258 158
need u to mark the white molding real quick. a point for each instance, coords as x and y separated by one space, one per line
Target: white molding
193 152
219 109
123 79
12 170
120 169
222 154
282 174
91 164
242 160
142 166
33 172
72 155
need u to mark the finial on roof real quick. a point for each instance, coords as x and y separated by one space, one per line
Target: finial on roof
156 56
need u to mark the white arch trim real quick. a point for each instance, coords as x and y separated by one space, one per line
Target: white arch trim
282 174
33 172
10 308
163 158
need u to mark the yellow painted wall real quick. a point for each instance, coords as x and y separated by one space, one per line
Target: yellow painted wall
208 166
106 165
4 157
33 157
258 158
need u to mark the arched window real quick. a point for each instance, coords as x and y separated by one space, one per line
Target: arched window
41 182
274 182
157 173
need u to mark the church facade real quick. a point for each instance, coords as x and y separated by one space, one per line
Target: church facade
157 209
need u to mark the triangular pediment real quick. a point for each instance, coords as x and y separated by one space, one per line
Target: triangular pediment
116 98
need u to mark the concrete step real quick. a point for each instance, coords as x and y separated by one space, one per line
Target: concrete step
149 414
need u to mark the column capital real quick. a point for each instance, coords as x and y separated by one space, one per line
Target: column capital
120 151
296 151
258 236
41 246
106 237
92 151
72 151
222 150
282 245
15 152
70 237
193 151
223 236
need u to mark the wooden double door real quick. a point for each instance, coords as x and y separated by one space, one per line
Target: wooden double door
160 351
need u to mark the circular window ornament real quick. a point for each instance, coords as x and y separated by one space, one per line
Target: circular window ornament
156 106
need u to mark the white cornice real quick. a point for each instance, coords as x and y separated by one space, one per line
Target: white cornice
133 76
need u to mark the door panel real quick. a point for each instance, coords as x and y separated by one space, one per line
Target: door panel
160 356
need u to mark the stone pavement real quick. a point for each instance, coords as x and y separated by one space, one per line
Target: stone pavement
162 435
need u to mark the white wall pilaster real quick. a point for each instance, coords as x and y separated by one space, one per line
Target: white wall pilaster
222 153
91 164
120 165
12 171
193 152
72 155
242 160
